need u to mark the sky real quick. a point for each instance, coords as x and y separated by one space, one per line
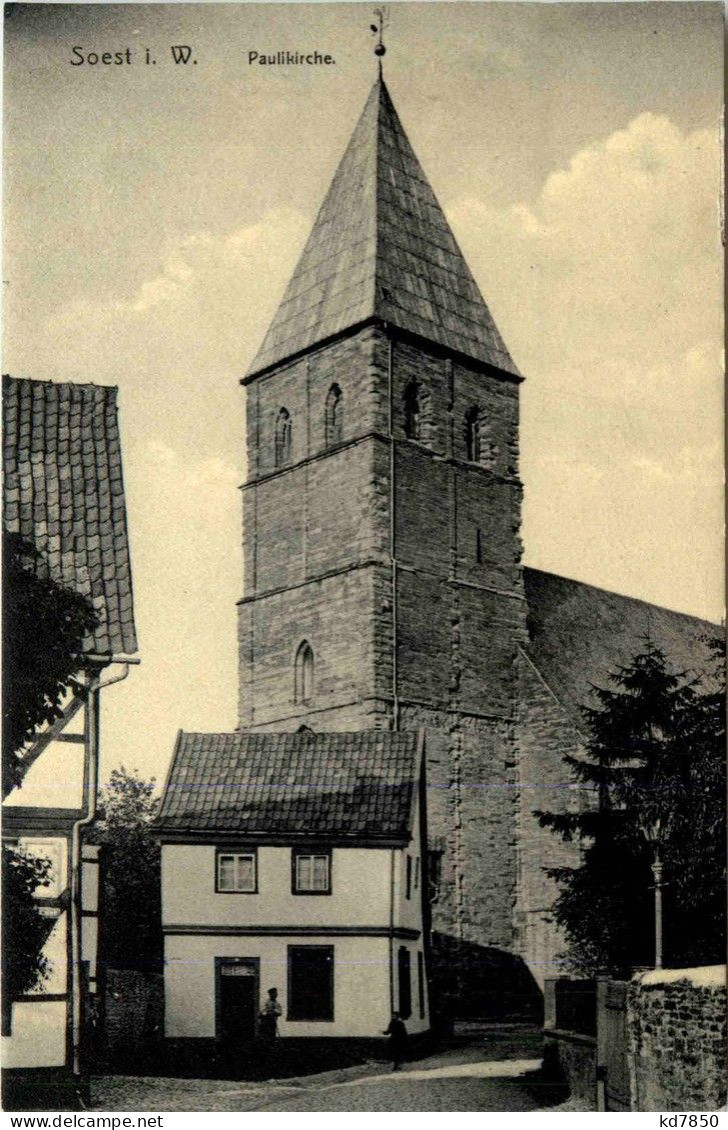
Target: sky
153 214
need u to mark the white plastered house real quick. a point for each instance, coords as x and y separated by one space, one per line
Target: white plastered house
294 861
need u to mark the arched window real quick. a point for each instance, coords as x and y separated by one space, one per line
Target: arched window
334 416
417 416
283 437
303 673
472 434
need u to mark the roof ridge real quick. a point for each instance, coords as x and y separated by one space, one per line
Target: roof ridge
624 596
38 382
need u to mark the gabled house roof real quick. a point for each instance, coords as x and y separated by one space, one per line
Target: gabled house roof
64 493
382 249
578 634
346 785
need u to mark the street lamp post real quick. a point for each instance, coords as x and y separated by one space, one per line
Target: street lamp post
654 832
657 876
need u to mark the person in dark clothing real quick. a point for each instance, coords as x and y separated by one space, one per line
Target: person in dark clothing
397 1033
268 1023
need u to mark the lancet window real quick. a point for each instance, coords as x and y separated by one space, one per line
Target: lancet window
284 435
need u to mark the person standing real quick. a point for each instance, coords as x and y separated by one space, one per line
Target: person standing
269 1014
397 1033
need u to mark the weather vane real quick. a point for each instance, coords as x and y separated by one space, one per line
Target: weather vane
378 30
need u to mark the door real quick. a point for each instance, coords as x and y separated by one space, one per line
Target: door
614 1041
237 1000
405 983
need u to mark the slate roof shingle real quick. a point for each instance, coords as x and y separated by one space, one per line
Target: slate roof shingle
381 247
64 492
344 784
578 634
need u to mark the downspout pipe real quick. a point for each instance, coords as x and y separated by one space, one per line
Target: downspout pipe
392 859
392 531
89 808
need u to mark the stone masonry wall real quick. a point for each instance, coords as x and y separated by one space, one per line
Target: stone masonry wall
678 1039
545 735
319 542
315 541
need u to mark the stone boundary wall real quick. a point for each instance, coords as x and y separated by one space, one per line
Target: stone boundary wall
667 1053
134 1011
677 1029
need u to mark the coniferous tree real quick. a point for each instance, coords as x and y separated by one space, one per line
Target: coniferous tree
652 760
695 853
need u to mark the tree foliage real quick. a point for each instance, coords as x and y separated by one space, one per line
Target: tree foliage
43 629
131 916
655 761
24 932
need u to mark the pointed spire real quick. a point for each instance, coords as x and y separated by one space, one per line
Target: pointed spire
381 248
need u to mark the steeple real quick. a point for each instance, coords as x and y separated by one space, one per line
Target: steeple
381 249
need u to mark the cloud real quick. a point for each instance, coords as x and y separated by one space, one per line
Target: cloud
609 295
618 256
179 342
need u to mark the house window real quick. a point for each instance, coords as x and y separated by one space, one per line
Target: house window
472 434
283 438
303 673
421 983
312 873
405 983
479 546
409 877
236 872
310 982
417 873
334 416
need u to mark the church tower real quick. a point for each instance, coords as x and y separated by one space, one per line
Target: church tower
383 586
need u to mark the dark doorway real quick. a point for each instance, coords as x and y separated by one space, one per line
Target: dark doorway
237 1000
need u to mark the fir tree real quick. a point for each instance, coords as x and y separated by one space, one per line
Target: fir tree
655 764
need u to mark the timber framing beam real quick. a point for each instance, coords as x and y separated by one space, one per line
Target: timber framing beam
50 735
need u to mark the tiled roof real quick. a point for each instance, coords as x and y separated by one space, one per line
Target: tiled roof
381 247
64 492
578 634
354 784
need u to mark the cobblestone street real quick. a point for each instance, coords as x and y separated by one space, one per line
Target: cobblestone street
462 1079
